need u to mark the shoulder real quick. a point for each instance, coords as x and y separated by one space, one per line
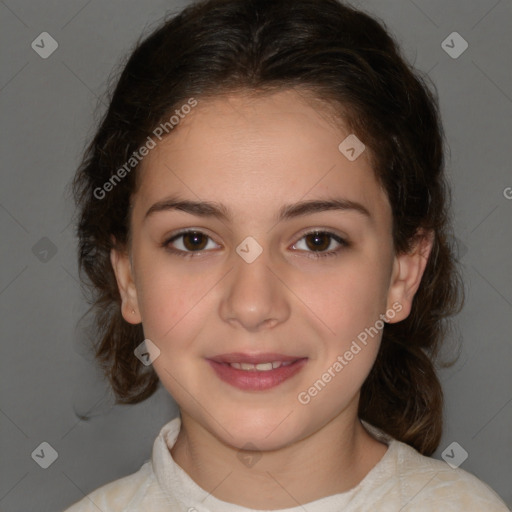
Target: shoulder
116 495
143 489
428 484
407 480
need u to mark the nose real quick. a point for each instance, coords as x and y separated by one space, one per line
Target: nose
254 298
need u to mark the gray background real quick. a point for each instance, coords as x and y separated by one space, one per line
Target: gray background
50 388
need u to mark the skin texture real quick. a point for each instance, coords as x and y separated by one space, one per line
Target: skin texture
255 155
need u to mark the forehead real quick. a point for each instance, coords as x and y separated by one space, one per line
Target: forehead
258 152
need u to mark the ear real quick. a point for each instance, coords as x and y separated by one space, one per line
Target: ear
124 276
408 269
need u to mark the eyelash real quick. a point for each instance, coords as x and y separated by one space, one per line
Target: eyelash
313 254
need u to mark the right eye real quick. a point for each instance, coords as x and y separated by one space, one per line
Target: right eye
188 242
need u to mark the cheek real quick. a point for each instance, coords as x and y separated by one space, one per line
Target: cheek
169 298
173 311
347 304
345 300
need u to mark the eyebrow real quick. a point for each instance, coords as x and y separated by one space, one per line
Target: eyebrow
221 212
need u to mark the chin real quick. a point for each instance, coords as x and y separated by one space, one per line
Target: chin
265 430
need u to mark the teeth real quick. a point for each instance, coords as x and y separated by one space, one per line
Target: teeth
261 367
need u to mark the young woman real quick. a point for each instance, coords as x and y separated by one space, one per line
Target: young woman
264 222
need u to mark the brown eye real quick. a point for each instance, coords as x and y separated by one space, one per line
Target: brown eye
318 241
194 240
317 244
188 242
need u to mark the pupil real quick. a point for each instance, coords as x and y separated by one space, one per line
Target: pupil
196 239
320 240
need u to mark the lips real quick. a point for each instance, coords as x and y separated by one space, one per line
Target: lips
256 372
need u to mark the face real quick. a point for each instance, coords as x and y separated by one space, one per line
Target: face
245 266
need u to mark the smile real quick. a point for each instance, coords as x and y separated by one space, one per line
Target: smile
261 367
257 376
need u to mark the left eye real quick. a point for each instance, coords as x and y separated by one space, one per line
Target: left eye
321 242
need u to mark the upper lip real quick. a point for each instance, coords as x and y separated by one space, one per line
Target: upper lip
267 357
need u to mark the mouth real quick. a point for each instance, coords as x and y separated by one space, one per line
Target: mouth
256 372
260 367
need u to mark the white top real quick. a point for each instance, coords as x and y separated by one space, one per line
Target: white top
403 480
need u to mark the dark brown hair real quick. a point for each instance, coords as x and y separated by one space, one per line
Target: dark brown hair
343 57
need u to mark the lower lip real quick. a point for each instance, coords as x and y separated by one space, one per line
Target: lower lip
254 380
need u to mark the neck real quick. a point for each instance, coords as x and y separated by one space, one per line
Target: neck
332 460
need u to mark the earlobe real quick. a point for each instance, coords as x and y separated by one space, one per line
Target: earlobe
123 271
408 270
